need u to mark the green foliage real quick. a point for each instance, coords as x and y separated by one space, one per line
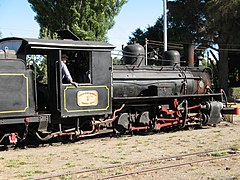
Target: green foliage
47 34
116 61
223 21
223 29
153 32
235 92
88 19
204 22
206 63
220 153
15 163
38 63
185 23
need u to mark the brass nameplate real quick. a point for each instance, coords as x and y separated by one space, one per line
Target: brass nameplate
87 98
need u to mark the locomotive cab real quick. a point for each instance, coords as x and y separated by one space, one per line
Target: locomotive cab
89 64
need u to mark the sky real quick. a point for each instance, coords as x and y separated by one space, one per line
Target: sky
17 19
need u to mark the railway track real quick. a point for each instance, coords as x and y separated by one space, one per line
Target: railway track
148 166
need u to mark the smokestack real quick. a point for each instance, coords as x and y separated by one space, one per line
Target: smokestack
189 54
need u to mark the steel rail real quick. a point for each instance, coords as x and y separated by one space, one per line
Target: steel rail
134 163
168 166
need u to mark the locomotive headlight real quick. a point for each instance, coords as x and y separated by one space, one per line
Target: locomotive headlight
201 84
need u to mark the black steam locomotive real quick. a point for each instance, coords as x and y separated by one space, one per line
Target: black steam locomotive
135 96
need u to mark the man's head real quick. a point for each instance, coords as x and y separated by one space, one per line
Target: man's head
64 58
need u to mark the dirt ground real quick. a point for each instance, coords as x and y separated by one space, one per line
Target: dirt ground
49 160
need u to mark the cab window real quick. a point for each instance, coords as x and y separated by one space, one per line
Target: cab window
79 65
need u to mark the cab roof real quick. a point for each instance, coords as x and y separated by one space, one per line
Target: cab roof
16 43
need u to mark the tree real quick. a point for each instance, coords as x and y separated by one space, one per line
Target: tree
185 23
204 22
88 19
153 32
38 63
186 20
223 29
116 61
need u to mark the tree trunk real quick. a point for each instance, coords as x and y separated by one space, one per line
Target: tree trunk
223 68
